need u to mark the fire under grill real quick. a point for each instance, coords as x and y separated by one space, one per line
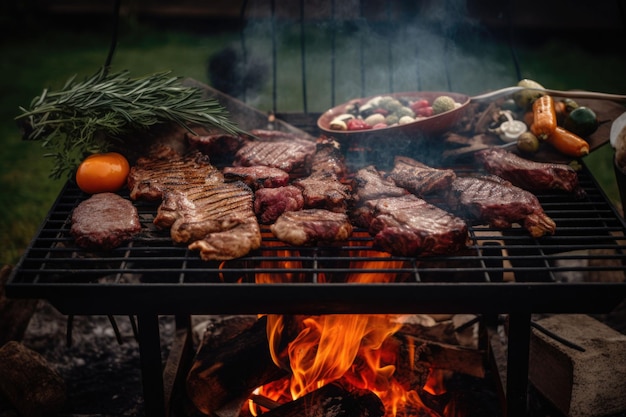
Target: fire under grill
501 272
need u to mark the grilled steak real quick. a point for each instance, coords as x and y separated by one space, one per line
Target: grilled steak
257 176
213 216
166 169
418 178
237 239
529 175
192 212
499 203
327 159
287 151
369 184
323 187
410 226
270 203
306 227
324 191
104 221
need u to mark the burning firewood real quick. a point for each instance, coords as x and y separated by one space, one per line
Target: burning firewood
228 368
226 372
331 401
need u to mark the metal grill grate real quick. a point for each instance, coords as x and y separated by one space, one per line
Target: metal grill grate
500 270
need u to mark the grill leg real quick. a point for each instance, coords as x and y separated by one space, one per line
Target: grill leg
517 365
151 373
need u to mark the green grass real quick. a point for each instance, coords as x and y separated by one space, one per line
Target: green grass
42 57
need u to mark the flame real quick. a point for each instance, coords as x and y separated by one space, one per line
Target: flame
435 384
278 258
350 348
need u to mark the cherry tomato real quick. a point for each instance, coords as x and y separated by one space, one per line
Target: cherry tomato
424 111
357 124
103 172
419 104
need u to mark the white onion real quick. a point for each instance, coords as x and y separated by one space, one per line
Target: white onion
618 125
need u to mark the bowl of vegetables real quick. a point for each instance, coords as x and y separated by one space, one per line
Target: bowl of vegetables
408 114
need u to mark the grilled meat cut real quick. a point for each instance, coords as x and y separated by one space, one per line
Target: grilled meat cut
165 169
323 187
270 203
238 237
104 221
418 178
198 206
327 159
324 191
369 184
285 151
257 177
190 212
499 203
410 226
309 226
529 175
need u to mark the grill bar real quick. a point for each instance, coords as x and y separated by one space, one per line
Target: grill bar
501 271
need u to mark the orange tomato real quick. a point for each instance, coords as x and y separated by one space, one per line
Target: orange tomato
103 172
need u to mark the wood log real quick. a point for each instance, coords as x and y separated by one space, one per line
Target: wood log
331 401
224 373
431 354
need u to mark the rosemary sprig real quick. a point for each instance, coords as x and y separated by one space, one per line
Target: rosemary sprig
95 114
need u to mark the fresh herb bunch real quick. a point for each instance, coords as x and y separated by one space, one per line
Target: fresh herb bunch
91 116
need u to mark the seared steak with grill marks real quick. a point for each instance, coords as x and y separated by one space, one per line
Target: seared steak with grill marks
270 203
529 175
201 209
194 211
369 184
166 169
418 178
305 227
324 191
104 221
327 159
323 187
410 226
287 152
237 239
258 176
499 203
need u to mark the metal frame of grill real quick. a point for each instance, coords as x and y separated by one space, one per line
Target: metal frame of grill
502 272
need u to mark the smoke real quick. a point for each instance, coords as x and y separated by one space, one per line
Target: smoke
360 49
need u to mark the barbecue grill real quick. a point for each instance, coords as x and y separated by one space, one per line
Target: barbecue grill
501 272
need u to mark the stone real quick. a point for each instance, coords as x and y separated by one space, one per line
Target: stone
580 384
29 383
